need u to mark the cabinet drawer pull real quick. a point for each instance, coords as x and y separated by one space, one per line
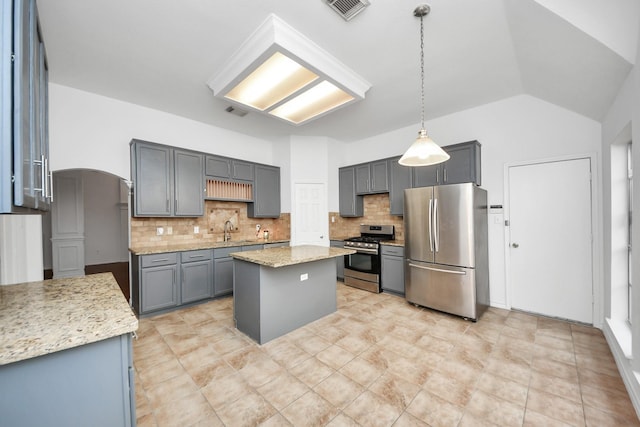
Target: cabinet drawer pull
196 256
160 260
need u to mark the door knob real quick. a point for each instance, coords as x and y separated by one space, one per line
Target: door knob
515 245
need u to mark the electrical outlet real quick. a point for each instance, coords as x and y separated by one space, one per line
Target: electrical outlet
257 227
169 230
159 231
333 219
196 229
304 277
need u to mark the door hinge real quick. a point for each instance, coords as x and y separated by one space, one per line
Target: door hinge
506 222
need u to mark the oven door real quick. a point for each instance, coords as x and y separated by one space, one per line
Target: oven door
363 262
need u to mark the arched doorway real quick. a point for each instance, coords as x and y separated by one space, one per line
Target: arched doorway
101 234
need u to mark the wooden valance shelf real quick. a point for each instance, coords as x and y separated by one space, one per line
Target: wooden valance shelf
227 190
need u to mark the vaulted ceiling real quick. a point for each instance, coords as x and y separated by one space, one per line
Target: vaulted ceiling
160 54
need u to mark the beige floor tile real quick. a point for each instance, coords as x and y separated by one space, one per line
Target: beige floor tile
282 390
170 390
555 407
568 389
488 407
311 371
370 409
341 420
408 420
503 388
335 356
194 408
378 361
447 388
536 419
361 371
395 390
338 390
249 410
598 418
434 411
310 410
225 390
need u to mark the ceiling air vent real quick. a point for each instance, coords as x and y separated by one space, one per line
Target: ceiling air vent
348 8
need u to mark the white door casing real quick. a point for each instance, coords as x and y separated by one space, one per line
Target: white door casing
309 215
550 266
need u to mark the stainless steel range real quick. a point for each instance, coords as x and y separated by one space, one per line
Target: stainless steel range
362 269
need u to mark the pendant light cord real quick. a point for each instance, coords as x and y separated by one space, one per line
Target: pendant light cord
422 65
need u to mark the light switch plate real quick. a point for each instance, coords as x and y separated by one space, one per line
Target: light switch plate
159 231
196 229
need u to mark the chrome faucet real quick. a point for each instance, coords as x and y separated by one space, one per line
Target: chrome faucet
228 226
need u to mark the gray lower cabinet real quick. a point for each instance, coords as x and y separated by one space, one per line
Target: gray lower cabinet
88 385
158 282
339 260
350 204
392 269
196 275
223 270
266 193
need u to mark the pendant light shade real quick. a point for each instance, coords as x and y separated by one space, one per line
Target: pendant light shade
424 151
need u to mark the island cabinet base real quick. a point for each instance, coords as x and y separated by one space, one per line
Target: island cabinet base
270 302
89 385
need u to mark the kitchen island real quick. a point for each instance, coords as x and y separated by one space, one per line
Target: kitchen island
278 290
65 353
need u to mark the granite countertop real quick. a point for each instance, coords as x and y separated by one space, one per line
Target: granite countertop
282 257
163 248
396 242
39 318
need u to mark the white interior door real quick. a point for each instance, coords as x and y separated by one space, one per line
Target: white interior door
550 239
310 221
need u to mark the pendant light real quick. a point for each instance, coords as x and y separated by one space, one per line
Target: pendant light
424 151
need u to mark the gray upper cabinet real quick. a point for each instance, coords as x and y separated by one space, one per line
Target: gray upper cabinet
399 180
229 169
152 175
266 193
25 178
167 181
463 166
372 178
189 183
350 204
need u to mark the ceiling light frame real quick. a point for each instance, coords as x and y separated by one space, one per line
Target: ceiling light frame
275 35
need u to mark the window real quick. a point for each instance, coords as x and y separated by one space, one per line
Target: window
629 228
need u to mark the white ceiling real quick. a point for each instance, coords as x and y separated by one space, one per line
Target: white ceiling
160 53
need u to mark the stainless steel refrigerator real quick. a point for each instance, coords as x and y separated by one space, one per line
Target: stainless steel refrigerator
446 248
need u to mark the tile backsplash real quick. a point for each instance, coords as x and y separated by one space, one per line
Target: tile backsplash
179 231
376 211
211 226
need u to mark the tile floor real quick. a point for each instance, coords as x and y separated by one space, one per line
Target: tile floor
377 361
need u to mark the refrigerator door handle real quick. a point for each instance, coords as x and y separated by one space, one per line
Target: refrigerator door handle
430 224
436 234
438 269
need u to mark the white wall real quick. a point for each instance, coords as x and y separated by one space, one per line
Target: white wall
89 131
516 129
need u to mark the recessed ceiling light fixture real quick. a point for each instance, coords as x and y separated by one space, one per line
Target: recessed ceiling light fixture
280 72
424 151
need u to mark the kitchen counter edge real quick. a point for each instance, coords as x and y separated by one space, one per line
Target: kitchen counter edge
204 245
292 255
48 316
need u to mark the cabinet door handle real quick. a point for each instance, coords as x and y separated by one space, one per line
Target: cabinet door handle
445 175
438 175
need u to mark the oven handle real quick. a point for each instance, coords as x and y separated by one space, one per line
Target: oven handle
362 250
